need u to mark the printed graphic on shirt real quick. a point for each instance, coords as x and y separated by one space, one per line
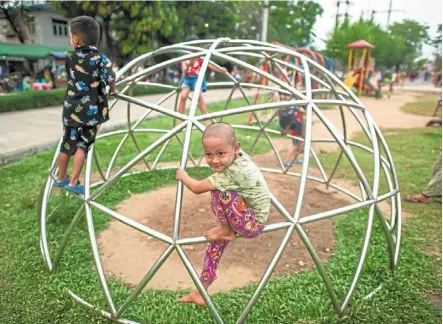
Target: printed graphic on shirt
89 73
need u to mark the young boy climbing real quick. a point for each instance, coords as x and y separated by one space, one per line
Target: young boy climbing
240 198
191 70
86 103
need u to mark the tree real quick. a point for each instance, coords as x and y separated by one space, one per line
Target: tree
292 24
206 19
412 33
392 48
14 13
127 27
289 23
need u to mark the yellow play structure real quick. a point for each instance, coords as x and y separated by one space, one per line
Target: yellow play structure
359 64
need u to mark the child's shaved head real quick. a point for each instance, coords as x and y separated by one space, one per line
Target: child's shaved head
220 130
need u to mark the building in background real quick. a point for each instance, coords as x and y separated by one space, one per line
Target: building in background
47 40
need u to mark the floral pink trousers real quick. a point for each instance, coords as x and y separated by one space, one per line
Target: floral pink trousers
229 207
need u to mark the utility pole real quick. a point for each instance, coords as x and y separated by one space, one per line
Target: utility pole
373 12
264 27
389 13
338 14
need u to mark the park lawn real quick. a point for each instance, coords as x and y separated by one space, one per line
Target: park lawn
424 106
30 295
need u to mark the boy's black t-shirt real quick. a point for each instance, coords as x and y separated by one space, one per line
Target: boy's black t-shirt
86 101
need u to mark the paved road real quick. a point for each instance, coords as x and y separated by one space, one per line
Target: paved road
23 133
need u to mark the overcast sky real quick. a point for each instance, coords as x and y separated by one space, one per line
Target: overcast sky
424 11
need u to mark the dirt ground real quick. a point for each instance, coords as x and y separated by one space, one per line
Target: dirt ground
128 254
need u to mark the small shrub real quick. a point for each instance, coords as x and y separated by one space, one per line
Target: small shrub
40 99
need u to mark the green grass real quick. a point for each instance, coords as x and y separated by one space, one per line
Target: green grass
415 151
424 106
30 295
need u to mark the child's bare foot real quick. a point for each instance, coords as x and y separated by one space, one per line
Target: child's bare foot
220 233
194 297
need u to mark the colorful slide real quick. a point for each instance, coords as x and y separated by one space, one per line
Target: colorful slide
353 80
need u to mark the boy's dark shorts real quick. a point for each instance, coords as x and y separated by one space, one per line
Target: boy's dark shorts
77 137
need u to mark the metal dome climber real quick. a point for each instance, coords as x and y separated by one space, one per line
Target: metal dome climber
231 51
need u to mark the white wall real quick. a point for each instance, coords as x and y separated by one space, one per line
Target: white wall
44 33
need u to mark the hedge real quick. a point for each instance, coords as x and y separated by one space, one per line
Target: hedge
39 99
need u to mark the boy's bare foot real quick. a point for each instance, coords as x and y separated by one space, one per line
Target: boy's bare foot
195 297
220 233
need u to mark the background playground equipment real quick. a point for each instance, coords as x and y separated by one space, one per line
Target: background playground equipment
291 77
100 181
360 63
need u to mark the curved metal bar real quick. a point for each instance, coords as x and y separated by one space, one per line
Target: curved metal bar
152 106
66 238
114 156
184 158
350 194
263 281
131 223
307 142
199 285
201 239
282 104
103 313
320 267
367 237
142 284
93 240
46 192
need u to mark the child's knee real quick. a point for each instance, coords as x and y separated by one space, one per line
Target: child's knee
184 95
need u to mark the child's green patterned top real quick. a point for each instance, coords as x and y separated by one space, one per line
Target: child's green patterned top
245 178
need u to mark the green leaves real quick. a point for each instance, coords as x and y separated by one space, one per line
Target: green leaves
138 27
399 45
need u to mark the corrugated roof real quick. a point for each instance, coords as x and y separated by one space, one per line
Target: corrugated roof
29 50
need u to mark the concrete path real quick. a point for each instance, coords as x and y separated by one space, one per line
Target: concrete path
418 86
23 133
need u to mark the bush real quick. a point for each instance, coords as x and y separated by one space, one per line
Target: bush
40 99
31 99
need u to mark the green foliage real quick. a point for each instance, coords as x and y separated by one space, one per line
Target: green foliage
41 99
130 27
412 34
142 26
290 22
31 99
206 19
400 45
